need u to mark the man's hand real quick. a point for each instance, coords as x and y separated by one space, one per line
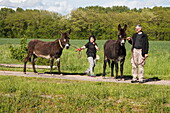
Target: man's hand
146 55
128 38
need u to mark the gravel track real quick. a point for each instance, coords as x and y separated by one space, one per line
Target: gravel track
82 78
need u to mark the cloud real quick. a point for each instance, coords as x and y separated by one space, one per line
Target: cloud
61 7
65 6
138 3
17 1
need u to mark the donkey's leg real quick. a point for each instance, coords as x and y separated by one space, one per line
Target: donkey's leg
58 65
104 67
117 67
51 65
33 63
26 60
121 67
112 67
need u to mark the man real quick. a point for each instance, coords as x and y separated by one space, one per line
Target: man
140 46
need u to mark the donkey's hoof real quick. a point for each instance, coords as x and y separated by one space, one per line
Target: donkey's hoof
116 77
35 72
61 74
113 77
104 77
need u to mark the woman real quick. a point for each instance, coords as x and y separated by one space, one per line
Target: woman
91 54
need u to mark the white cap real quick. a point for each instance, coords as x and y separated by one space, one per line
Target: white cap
138 26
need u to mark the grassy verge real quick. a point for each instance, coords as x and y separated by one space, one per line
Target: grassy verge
21 94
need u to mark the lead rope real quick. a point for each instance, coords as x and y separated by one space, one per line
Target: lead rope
79 52
134 60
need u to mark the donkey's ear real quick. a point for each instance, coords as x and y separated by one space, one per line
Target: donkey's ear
125 27
60 32
69 32
119 27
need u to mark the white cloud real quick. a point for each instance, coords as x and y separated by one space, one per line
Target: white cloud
17 1
138 3
65 6
59 6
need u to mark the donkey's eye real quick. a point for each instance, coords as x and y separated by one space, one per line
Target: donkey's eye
120 36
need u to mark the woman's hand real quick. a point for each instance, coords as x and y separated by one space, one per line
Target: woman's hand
79 49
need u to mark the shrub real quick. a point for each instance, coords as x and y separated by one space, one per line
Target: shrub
19 53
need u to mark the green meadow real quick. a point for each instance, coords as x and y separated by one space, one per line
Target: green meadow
157 64
43 95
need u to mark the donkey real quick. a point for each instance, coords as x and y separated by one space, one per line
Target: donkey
115 51
49 50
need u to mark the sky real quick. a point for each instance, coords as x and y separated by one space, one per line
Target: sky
65 6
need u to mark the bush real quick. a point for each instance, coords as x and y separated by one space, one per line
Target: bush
20 52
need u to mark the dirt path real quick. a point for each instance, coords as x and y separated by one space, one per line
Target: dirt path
28 66
79 77
72 76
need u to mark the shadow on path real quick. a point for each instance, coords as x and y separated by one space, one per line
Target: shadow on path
126 77
66 73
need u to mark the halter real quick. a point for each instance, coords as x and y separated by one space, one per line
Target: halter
60 44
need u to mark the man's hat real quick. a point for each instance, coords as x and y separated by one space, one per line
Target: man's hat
138 26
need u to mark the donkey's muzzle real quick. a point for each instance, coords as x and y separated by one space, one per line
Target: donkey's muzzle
67 46
123 42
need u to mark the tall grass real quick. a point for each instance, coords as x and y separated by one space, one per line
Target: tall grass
21 94
157 64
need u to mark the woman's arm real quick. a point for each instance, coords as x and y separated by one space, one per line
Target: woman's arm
96 47
83 47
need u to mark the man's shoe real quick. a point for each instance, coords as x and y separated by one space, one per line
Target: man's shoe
134 81
92 75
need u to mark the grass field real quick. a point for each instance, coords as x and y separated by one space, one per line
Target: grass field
42 95
157 64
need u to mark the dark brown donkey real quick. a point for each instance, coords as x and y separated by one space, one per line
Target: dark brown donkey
115 51
48 50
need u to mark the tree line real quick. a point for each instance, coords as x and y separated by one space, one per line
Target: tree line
92 20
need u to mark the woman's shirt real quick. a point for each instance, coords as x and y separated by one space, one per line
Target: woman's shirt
91 49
